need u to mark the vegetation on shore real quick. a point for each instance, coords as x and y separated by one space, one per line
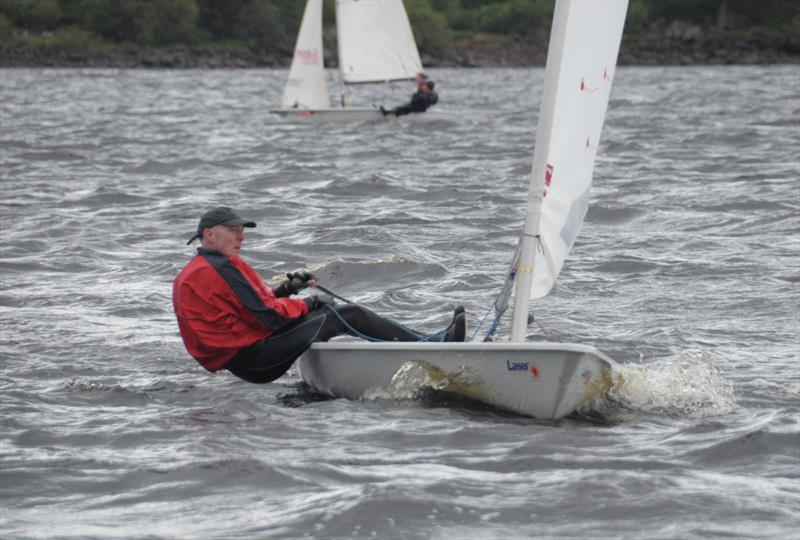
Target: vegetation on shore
448 32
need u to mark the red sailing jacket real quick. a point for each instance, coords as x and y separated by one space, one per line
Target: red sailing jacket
222 305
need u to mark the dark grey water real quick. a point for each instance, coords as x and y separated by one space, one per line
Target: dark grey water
687 271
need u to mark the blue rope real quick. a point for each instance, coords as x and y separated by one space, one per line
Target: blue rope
498 317
495 324
439 336
475 333
420 337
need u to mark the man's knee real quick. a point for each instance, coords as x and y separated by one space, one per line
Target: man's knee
353 314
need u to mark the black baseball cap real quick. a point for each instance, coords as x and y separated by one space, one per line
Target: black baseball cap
220 215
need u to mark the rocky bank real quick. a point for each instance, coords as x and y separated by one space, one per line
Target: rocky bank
679 45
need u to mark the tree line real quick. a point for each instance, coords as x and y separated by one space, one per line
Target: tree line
271 25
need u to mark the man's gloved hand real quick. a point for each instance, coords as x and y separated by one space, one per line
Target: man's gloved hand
317 301
297 281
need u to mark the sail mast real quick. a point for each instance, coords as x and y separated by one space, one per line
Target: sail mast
530 235
581 60
340 44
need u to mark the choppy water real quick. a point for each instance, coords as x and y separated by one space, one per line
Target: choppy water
687 271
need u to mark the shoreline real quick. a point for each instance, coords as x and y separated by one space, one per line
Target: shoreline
478 51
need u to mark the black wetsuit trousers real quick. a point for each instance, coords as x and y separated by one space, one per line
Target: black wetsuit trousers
258 363
407 109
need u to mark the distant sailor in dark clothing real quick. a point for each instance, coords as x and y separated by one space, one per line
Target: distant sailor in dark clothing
229 318
421 101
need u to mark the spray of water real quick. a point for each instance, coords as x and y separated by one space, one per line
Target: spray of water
688 385
417 376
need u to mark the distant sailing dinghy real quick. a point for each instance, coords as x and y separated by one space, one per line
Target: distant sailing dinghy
376 45
544 380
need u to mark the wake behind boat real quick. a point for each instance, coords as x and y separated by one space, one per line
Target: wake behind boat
375 44
544 380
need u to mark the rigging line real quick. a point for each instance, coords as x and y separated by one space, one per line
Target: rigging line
438 336
478 328
542 328
499 312
503 296
330 292
352 330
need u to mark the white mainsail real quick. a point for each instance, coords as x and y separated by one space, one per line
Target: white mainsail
581 60
306 88
375 41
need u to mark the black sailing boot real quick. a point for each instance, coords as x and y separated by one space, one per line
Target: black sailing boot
457 331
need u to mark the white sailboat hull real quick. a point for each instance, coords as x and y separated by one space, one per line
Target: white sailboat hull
351 114
543 380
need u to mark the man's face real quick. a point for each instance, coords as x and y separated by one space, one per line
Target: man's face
227 240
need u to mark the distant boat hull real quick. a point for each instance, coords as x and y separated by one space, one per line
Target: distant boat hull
350 114
543 380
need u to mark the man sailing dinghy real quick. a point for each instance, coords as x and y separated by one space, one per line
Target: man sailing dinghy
229 318
544 380
375 44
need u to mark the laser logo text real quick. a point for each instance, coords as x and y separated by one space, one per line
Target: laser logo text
523 367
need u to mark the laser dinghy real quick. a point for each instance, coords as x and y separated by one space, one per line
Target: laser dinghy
540 379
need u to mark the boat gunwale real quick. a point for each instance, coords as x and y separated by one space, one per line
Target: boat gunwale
458 346
302 112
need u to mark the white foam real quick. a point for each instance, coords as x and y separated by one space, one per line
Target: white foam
687 385
415 376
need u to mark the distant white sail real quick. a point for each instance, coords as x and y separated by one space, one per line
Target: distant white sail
581 62
375 41
306 86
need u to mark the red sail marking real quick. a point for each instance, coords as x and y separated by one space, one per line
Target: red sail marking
308 56
592 89
590 145
548 177
586 88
